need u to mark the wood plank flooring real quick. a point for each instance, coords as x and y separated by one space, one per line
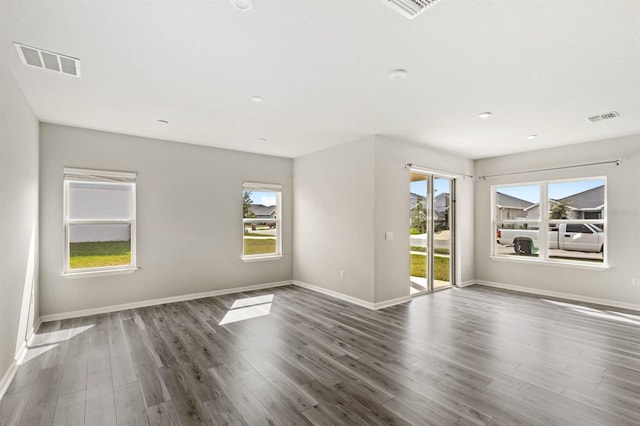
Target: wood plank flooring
473 356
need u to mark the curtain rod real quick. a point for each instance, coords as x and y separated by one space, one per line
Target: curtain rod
430 169
616 162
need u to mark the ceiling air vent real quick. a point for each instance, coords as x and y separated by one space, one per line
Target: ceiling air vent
48 60
410 8
602 117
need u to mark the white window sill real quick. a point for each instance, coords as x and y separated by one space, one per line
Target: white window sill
261 258
103 273
564 264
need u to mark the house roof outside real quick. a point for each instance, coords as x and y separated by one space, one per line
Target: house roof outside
586 200
414 199
441 202
591 199
262 210
504 200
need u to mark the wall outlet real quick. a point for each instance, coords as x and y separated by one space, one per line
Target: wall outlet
388 235
341 274
635 282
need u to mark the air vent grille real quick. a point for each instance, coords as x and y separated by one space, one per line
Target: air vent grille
410 8
602 117
48 60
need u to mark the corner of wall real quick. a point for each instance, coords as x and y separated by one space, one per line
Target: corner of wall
19 217
334 193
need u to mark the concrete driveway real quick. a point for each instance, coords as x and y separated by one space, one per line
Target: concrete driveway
440 240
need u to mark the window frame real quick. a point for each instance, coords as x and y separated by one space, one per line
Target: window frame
263 187
544 223
99 177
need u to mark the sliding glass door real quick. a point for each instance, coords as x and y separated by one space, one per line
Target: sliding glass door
431 232
442 236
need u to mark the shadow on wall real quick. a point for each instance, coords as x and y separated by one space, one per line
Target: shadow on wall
27 306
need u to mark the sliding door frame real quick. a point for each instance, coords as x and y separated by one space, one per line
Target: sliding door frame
430 177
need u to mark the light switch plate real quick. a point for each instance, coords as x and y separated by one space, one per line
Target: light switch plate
388 235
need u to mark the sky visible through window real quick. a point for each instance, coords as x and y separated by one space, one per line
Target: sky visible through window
420 187
264 198
556 190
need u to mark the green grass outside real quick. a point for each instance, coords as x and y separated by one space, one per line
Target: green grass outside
424 249
99 254
259 246
419 264
118 253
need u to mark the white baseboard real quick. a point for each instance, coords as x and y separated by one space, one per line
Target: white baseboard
335 294
392 302
559 295
152 302
35 328
466 283
6 379
20 354
350 299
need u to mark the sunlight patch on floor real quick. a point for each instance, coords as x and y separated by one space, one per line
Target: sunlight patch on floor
249 312
33 353
250 301
610 315
41 343
248 308
57 336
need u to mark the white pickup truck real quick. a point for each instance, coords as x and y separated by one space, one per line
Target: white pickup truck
565 236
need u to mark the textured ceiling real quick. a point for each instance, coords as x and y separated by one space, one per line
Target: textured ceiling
322 67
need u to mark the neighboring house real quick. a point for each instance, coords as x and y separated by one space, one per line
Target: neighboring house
587 204
441 211
441 207
263 212
414 199
509 207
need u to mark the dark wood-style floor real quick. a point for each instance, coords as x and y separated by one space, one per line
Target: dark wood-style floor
460 356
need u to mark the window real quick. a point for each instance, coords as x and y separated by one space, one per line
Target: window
99 221
575 220
261 220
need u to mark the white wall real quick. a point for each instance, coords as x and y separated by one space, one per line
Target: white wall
623 202
334 218
189 217
347 197
18 217
392 213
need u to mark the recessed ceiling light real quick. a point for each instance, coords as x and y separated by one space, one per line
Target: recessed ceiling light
399 73
256 99
162 122
262 140
532 136
243 4
484 114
